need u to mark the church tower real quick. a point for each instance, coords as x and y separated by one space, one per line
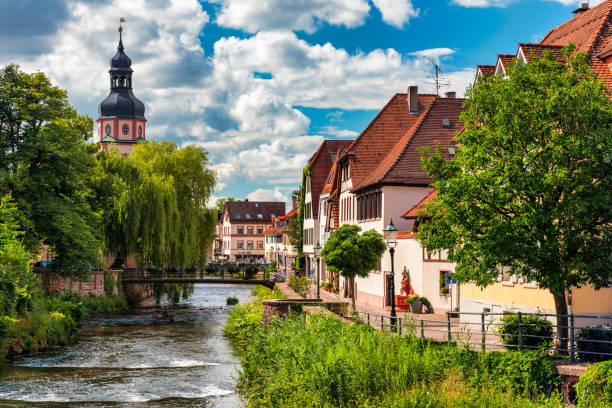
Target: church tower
121 121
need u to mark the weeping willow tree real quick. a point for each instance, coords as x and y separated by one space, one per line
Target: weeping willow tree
156 208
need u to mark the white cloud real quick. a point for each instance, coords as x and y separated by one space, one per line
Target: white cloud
277 194
337 132
253 16
396 12
251 126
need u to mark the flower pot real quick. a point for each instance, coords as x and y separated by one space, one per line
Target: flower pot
416 307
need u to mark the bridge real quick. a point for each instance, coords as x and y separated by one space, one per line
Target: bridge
242 276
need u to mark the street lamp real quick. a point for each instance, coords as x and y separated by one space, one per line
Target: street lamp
285 258
390 234
317 252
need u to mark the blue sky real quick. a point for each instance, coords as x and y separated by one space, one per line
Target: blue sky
260 84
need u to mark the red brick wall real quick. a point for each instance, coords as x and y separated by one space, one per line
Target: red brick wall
56 284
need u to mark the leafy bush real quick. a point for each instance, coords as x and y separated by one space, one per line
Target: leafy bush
109 284
599 334
103 304
594 389
250 271
321 362
530 327
300 284
232 301
525 372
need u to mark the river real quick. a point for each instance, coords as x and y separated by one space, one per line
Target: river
136 360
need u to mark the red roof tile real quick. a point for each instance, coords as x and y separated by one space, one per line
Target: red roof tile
589 31
506 59
382 134
537 50
401 165
406 235
416 210
320 164
486 70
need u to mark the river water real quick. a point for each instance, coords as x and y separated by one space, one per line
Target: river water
136 360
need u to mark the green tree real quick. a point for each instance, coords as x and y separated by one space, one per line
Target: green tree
159 207
530 188
293 222
220 203
46 163
16 278
353 254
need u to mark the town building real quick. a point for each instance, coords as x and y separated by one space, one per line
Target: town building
317 177
121 122
377 179
590 30
244 223
278 245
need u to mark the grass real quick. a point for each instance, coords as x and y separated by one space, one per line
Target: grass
321 362
51 320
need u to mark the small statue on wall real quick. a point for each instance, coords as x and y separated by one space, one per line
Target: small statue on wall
406 289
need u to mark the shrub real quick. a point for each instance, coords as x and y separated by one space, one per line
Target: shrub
232 301
103 304
594 389
109 284
530 327
250 271
525 372
412 298
300 284
599 334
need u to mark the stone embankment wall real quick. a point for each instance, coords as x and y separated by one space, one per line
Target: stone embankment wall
51 283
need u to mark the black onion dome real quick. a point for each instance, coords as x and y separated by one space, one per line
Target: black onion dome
120 60
121 102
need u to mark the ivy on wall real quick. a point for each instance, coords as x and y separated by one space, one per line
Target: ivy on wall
305 175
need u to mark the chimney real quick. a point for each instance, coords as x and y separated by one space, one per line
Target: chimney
413 99
581 9
451 95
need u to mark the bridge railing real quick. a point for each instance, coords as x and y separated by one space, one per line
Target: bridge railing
240 271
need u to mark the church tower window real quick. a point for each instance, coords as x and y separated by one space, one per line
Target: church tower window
126 129
108 130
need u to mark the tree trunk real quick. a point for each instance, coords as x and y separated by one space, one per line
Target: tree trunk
562 320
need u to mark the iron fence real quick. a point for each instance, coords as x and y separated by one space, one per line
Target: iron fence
229 271
483 331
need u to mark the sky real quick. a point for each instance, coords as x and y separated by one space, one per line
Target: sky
261 83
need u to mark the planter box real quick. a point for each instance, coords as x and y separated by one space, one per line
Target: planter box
416 307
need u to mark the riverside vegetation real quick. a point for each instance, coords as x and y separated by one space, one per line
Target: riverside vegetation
321 362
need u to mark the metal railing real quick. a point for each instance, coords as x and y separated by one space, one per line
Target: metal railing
481 331
225 271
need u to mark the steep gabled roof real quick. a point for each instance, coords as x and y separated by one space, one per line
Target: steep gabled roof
529 51
585 30
320 165
416 210
254 211
591 32
382 134
503 61
486 70
401 165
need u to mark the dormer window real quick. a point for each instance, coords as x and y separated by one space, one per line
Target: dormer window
248 216
237 215
260 216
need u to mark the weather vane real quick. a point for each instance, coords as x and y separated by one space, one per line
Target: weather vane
121 20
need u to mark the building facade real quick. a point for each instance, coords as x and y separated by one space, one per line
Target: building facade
243 226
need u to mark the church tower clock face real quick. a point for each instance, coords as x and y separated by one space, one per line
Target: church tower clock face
121 120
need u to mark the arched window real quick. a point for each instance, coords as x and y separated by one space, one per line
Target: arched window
107 130
139 131
126 129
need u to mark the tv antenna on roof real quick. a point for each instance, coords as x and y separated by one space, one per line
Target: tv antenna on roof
437 80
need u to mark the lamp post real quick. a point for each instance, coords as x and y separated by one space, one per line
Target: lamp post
317 252
285 258
390 235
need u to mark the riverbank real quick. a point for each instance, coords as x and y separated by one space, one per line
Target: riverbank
321 362
50 321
